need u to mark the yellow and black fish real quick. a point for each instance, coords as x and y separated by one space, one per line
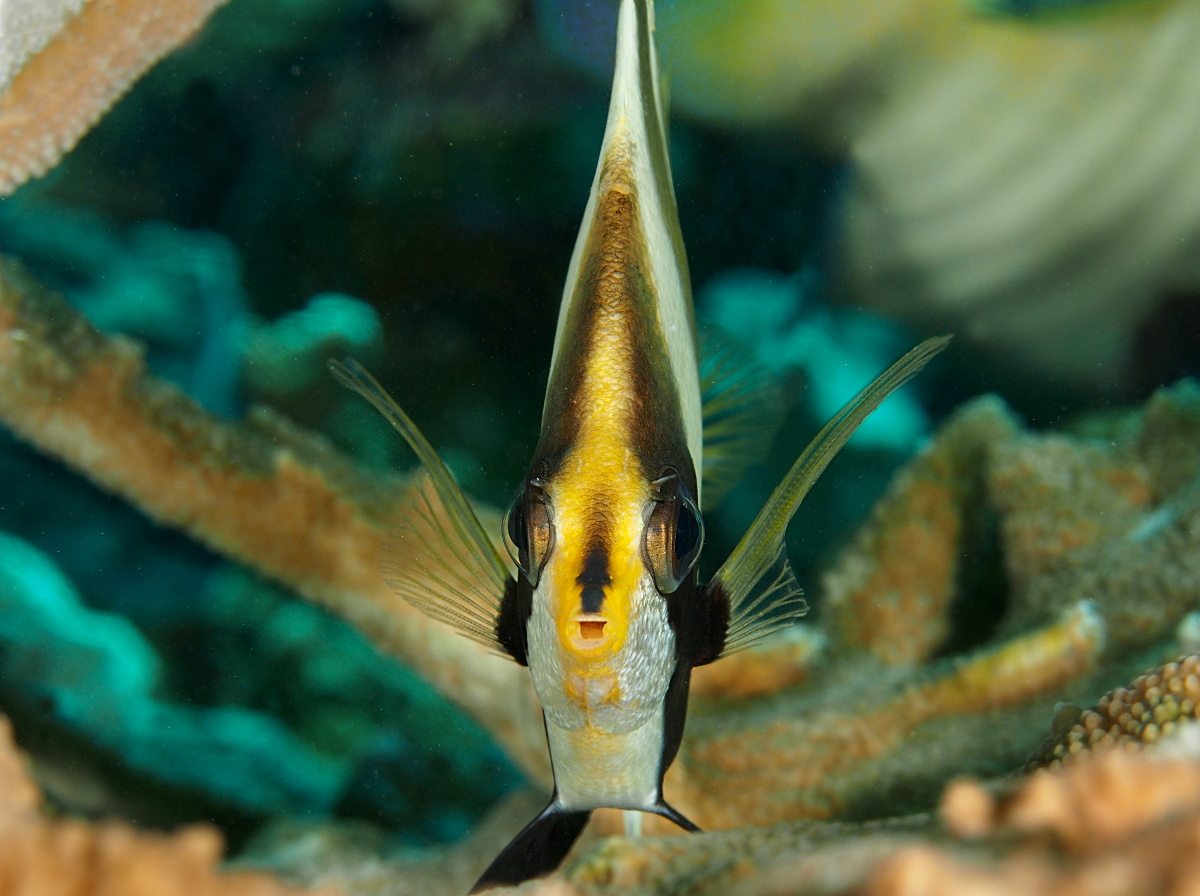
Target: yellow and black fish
604 606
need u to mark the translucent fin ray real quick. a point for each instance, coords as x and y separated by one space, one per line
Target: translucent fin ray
756 609
439 558
427 564
742 409
772 603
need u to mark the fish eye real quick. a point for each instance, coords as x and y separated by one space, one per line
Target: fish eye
674 534
529 530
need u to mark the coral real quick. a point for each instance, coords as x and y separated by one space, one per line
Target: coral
838 351
779 661
176 290
825 755
353 859
1113 824
41 855
420 768
288 355
1150 708
263 493
891 591
73 79
1116 523
832 725
1119 822
99 676
26 26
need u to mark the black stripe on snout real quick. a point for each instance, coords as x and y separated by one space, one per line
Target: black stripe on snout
594 579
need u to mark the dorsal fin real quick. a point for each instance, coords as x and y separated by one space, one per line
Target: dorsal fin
742 409
634 162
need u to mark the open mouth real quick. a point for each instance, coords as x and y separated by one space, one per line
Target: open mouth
591 629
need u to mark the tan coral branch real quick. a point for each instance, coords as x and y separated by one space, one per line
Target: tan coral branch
97 56
803 764
780 661
890 593
266 495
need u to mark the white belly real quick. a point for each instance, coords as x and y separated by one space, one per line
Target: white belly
595 769
606 740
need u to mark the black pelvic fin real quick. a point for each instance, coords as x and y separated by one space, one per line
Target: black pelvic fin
671 813
537 850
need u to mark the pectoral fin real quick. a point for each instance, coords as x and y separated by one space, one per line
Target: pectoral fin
756 580
439 557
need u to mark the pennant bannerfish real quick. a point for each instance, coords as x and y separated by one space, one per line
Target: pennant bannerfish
604 606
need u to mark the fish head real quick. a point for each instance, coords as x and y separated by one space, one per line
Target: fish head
604 542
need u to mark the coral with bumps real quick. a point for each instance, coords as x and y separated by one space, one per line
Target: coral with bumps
1150 708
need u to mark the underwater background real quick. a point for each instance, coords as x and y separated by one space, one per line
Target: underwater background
402 181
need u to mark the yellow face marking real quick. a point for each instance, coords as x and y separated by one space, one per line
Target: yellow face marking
600 491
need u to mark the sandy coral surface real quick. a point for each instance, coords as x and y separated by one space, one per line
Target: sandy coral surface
89 64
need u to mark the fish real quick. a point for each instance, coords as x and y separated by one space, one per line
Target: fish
602 600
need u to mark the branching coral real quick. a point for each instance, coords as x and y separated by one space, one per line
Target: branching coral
891 592
831 754
93 58
1117 823
836 722
262 493
40 855
1118 524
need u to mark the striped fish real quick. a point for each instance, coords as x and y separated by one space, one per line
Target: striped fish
604 606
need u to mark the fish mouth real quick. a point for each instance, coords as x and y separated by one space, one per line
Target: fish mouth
591 632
